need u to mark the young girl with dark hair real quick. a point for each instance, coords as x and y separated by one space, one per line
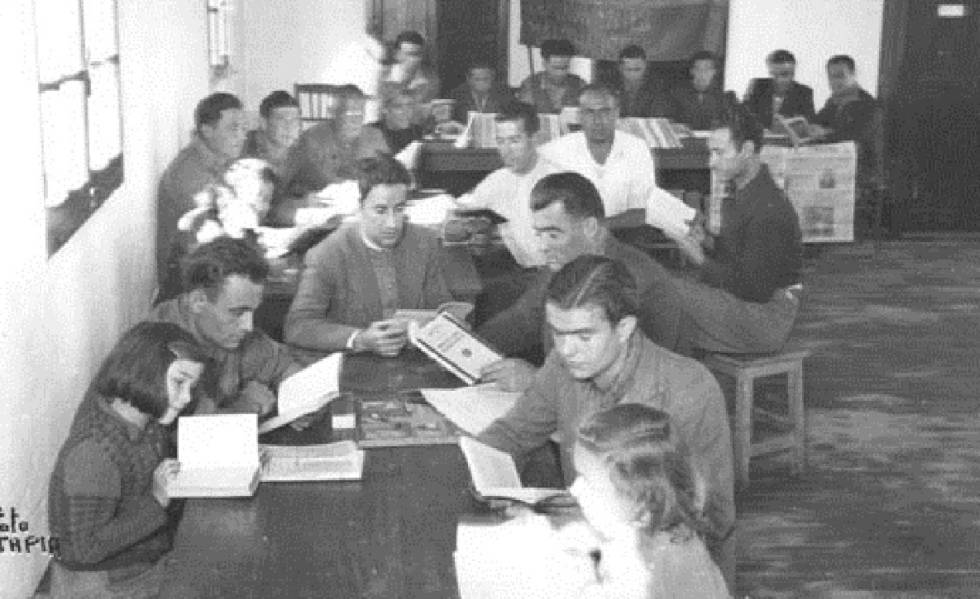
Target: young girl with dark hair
112 528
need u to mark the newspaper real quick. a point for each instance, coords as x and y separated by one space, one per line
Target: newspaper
820 182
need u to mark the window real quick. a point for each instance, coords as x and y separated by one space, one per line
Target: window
219 42
81 128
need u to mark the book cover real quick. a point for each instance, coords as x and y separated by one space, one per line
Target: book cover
400 419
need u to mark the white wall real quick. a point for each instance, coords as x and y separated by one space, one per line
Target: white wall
60 316
293 41
813 30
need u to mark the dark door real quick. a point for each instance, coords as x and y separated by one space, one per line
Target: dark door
936 129
471 30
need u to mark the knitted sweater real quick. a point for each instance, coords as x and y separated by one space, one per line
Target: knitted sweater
100 501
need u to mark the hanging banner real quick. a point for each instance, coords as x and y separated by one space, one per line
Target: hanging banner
668 30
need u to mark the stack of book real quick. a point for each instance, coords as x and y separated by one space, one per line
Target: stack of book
658 133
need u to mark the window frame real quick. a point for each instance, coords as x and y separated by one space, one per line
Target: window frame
64 219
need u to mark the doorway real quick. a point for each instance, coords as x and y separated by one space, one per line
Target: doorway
935 120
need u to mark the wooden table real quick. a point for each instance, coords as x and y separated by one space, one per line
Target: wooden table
390 535
458 170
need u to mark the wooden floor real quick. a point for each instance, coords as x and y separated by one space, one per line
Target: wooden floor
890 504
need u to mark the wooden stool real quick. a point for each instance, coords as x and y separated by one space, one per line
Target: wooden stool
745 370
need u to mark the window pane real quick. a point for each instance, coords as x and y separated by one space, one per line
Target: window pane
59 38
100 28
103 116
63 139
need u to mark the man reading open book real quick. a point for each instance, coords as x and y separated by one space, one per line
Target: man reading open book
600 359
359 277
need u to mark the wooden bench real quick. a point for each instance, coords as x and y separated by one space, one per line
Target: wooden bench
745 370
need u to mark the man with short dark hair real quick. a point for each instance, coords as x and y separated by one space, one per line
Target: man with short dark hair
218 139
849 112
555 87
279 129
356 279
638 94
568 218
698 103
779 93
479 93
327 153
223 282
507 190
600 359
746 300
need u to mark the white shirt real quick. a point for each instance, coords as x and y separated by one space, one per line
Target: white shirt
627 180
509 194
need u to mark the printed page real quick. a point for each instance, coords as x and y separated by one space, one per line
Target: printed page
217 441
306 391
668 213
489 467
471 408
455 348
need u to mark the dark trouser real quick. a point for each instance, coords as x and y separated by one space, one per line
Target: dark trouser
723 554
714 320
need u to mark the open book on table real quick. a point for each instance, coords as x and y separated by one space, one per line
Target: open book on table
306 391
217 456
329 461
495 476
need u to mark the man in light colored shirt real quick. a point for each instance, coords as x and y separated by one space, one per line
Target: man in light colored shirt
620 165
507 191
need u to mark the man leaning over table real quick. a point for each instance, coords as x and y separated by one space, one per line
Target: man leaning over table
218 139
223 281
600 359
567 215
746 300
356 279
619 164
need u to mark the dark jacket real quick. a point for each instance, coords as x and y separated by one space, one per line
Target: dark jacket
797 102
760 248
848 114
698 110
497 97
648 102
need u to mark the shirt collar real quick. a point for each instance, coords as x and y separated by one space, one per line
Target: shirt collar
134 432
367 242
615 384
